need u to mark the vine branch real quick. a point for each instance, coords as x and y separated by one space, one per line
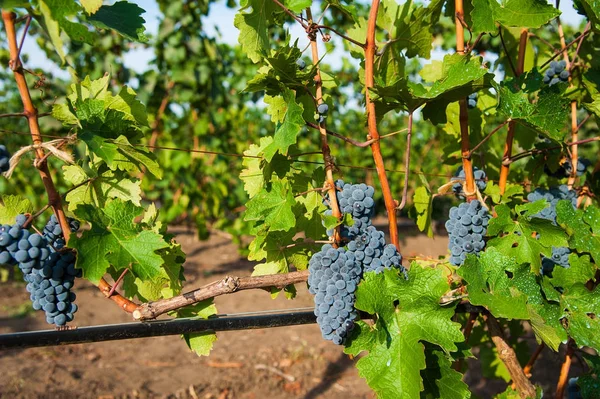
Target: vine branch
31 113
227 285
504 168
370 48
509 358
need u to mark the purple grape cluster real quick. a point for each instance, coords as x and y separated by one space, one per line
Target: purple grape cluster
556 73
334 275
338 271
553 195
49 272
566 168
466 228
560 257
480 181
4 159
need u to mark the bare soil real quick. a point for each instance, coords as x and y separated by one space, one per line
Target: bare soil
284 362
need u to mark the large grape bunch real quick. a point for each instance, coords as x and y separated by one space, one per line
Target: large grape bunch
556 73
553 195
356 200
370 249
49 272
334 275
4 159
480 181
560 257
466 228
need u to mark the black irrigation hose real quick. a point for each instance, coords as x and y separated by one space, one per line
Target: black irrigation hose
111 332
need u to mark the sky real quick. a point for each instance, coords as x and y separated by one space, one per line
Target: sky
219 23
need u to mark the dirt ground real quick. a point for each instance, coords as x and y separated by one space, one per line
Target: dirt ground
284 362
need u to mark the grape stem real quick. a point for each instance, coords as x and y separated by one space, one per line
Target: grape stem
504 168
510 61
508 356
528 153
370 49
406 162
359 44
227 285
290 13
327 158
486 138
564 371
31 113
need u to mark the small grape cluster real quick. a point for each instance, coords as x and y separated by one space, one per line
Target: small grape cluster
301 64
566 168
322 110
560 257
556 73
466 227
553 195
342 268
334 275
49 272
480 181
472 100
4 159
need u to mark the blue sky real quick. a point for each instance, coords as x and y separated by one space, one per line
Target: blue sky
219 22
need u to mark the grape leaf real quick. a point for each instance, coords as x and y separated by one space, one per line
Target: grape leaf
91 6
518 13
273 206
527 237
440 379
582 227
545 322
252 175
396 352
122 17
582 308
114 239
253 27
52 27
96 189
287 132
200 343
489 285
13 205
423 206
298 6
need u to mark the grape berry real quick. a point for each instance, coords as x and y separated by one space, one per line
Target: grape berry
322 110
301 64
472 100
4 159
466 228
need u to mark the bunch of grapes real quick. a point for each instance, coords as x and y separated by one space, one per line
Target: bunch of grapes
466 227
322 110
334 275
49 272
560 257
480 181
556 73
53 232
370 249
472 100
553 195
4 159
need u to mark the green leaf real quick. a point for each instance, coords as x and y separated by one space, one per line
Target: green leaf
131 158
582 227
545 322
395 342
582 308
440 379
287 132
520 239
252 175
298 6
122 17
91 6
97 189
273 206
517 13
114 239
423 206
489 285
52 28
13 205
253 27
200 343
